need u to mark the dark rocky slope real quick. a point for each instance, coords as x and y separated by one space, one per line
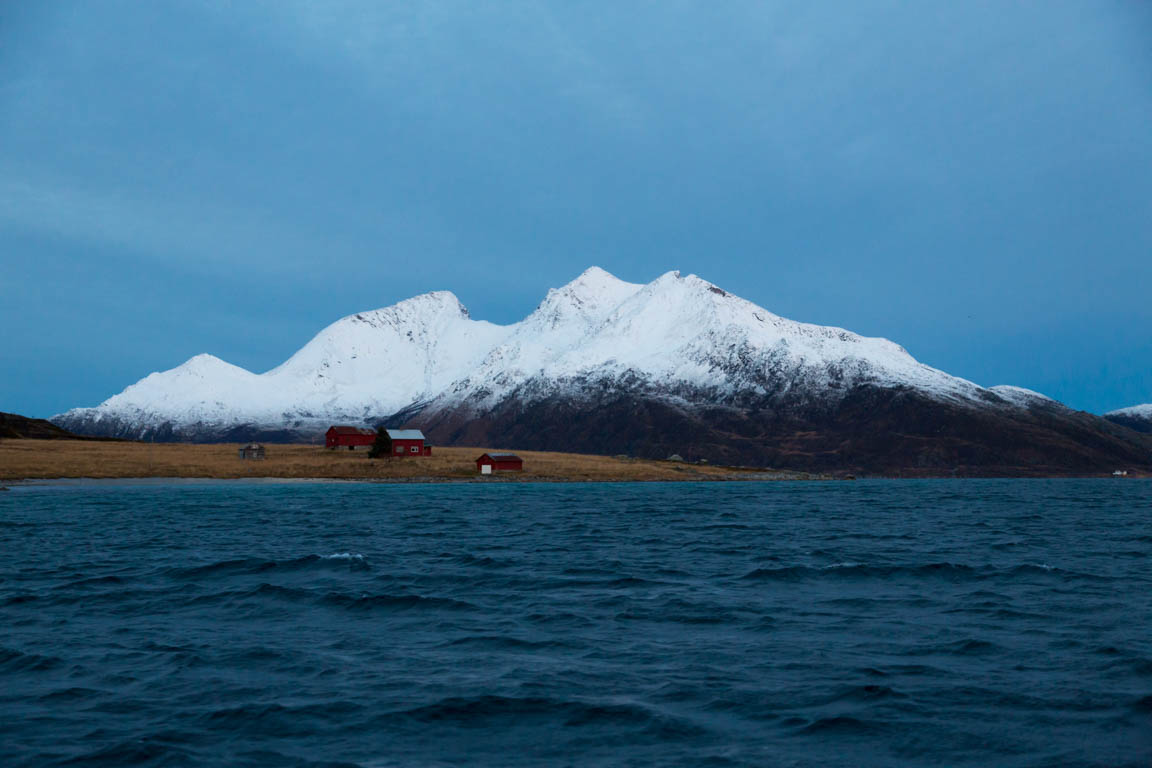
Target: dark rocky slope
1132 421
871 431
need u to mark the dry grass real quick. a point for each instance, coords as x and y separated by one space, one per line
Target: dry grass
42 459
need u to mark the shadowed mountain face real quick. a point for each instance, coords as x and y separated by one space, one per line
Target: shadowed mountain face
870 431
602 366
13 425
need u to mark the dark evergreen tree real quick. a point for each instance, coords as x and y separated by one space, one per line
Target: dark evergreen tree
382 446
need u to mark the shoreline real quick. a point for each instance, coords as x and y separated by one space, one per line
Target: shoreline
34 482
428 480
24 461
28 460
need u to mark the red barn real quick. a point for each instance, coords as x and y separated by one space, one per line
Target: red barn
499 462
409 442
353 437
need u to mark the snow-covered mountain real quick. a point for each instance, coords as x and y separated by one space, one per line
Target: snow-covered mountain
1137 417
676 354
356 369
676 333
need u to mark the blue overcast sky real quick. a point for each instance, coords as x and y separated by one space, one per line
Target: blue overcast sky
971 179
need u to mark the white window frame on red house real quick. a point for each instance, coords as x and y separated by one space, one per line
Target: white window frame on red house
399 449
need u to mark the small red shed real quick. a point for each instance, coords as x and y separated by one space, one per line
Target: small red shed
352 437
409 442
499 462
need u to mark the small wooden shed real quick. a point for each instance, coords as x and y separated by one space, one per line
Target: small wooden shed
251 451
499 462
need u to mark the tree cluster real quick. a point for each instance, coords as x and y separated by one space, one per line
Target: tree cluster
382 446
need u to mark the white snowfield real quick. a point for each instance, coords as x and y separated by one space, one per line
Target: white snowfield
1138 411
677 335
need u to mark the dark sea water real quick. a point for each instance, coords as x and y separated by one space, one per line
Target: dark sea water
956 623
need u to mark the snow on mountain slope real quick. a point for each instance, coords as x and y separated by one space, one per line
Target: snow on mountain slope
1138 411
359 367
1023 397
381 361
679 333
201 389
675 335
1137 417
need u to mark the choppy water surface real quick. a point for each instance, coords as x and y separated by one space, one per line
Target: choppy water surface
1002 623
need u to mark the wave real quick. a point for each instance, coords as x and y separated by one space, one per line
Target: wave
680 611
966 647
71 694
12 660
264 594
866 694
481 561
565 619
499 642
277 720
401 602
943 571
94 581
842 725
250 565
20 600
116 600
274 591
616 583
136 752
490 709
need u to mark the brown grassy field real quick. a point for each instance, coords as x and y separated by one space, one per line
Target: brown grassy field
44 459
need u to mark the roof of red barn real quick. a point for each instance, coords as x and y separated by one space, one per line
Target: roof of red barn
499 456
351 430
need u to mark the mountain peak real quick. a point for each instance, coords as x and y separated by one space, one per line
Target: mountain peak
596 273
435 301
424 308
678 281
206 365
595 281
591 296
202 360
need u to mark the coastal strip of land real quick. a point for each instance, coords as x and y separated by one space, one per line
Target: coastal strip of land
29 459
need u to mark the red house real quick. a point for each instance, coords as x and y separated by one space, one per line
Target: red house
499 462
409 442
352 437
